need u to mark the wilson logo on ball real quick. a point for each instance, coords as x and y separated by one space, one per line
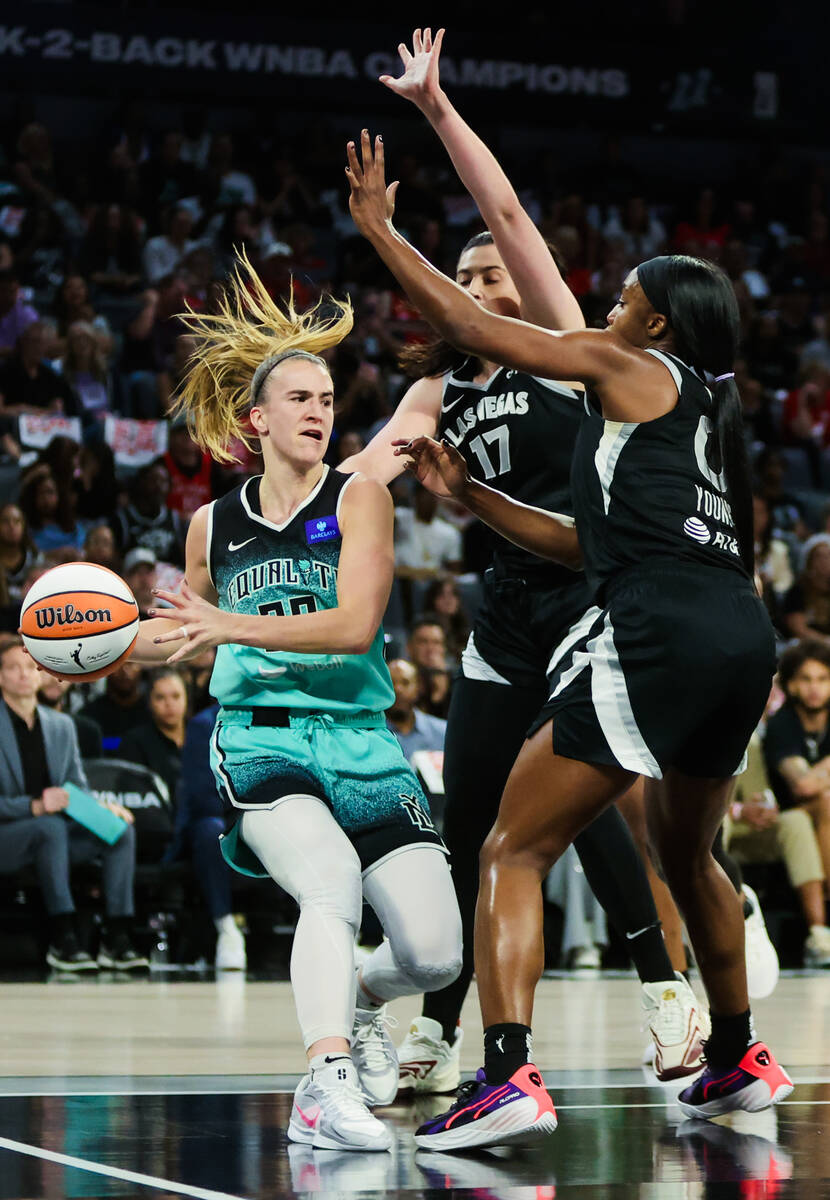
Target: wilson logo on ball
69 615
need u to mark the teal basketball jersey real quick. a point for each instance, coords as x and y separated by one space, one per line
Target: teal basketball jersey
262 569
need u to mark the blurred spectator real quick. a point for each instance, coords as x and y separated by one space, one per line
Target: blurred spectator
806 606
198 671
85 369
163 254
122 706
756 831
41 754
9 609
200 822
49 511
361 400
15 315
805 420
226 184
771 359
96 487
759 421
442 599
99 547
158 743
641 234
139 574
787 512
797 739
173 375
191 472
772 556
27 383
427 649
72 304
424 543
54 694
347 444
18 552
168 177
705 231
111 253
146 520
414 729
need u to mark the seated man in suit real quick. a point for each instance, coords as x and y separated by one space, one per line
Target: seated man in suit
38 754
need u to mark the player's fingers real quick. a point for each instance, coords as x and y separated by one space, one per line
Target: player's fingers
379 155
174 598
417 45
436 45
366 150
427 40
354 165
406 57
175 635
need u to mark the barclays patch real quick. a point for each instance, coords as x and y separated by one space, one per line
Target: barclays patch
322 529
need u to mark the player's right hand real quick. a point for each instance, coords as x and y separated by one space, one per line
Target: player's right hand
437 465
420 80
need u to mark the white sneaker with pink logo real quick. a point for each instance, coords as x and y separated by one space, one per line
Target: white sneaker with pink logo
329 1112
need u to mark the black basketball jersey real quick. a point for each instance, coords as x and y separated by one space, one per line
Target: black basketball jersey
263 569
646 490
517 434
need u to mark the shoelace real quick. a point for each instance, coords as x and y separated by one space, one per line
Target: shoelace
372 1036
670 1018
465 1093
347 1099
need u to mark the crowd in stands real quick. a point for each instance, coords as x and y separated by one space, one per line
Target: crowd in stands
97 264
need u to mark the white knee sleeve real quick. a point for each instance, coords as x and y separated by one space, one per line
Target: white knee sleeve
413 896
307 853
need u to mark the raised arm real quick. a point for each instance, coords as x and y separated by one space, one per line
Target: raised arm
441 469
364 580
546 298
416 416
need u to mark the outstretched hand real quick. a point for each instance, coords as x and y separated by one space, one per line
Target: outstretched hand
203 625
371 202
439 467
420 80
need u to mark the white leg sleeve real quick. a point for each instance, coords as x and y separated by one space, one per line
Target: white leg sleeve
413 896
306 852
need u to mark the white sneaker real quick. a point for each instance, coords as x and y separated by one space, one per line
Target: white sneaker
374 1055
329 1113
676 1028
761 956
583 958
427 1062
817 947
339 1174
230 951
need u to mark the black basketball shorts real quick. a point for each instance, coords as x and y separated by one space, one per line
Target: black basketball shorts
674 671
519 625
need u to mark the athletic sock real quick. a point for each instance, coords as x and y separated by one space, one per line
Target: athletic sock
731 1037
647 948
506 1048
320 1061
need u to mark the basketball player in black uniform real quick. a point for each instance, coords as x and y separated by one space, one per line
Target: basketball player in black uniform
666 676
516 431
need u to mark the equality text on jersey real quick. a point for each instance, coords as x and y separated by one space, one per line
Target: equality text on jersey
280 572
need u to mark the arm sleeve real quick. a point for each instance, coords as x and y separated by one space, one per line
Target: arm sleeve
12 808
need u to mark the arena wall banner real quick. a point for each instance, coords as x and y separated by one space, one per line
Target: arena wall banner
164 52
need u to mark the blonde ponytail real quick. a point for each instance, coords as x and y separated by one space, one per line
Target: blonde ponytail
230 345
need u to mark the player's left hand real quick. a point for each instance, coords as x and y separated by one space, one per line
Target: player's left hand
371 202
202 624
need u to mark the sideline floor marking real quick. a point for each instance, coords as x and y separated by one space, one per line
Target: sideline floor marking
83 1164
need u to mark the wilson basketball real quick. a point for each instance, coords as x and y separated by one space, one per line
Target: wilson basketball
80 620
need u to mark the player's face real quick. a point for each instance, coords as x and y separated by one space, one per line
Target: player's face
298 412
482 273
632 317
810 686
19 676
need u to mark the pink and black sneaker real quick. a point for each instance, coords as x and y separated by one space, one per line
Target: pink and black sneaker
487 1114
755 1083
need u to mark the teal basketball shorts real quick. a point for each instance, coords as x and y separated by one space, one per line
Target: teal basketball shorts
354 764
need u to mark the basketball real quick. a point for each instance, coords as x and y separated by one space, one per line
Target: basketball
79 620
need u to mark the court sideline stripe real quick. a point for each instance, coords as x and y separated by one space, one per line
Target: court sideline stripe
83 1164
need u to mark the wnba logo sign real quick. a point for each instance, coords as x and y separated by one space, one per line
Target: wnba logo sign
68 614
